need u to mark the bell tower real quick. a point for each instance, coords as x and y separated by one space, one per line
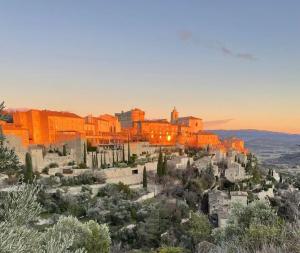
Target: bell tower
174 116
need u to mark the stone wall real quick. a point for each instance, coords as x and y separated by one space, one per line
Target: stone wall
14 142
128 175
37 159
75 147
178 162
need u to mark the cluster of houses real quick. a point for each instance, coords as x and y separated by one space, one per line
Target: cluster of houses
231 166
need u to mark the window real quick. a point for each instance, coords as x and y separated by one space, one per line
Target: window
135 172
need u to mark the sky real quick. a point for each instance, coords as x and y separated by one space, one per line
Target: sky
235 63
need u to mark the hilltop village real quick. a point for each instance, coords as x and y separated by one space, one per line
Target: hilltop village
35 127
155 185
38 132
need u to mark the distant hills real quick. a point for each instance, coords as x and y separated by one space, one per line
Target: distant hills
271 147
249 135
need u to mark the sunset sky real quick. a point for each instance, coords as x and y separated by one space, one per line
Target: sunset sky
234 63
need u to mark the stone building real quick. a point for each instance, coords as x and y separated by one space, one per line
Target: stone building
178 162
187 131
44 127
128 118
235 172
220 203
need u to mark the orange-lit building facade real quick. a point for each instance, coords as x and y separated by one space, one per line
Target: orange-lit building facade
187 131
12 129
46 127
43 127
236 144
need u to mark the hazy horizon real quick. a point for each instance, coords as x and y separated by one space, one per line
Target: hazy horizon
234 64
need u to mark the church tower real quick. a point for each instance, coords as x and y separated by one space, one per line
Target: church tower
174 116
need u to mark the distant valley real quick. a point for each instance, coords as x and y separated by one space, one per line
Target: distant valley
271 147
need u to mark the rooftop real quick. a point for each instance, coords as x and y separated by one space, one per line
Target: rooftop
62 114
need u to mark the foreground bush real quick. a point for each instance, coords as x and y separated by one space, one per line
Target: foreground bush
17 235
256 228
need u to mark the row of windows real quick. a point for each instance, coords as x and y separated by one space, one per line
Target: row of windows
168 137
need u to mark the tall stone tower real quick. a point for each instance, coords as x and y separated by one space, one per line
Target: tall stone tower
174 116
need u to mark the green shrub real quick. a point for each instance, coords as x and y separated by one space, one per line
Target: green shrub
46 170
53 165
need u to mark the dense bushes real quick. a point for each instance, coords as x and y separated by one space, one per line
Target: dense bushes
253 227
119 189
53 165
91 236
17 233
85 178
65 203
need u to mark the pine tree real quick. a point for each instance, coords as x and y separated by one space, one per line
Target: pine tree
150 231
28 173
145 181
9 161
2 116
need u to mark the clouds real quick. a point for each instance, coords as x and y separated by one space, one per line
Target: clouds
244 56
214 124
185 35
188 36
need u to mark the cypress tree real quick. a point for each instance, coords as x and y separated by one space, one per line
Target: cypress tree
84 154
159 164
208 149
164 166
104 158
28 173
188 165
123 152
64 150
128 151
113 155
145 182
97 163
101 159
117 155
93 162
